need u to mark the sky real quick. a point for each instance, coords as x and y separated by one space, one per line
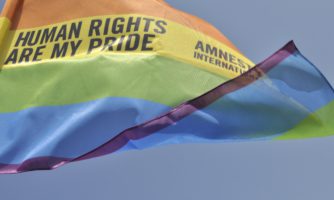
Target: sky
277 170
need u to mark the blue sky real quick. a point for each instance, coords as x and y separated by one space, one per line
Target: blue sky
237 171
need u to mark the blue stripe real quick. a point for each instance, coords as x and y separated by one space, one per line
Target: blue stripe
71 130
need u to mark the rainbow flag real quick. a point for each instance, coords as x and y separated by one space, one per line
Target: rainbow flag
81 79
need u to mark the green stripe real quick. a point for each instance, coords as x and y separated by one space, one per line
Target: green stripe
149 77
319 124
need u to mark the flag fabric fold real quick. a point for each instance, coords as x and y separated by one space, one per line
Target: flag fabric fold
284 97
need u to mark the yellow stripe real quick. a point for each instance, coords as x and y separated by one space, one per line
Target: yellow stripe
4 27
164 37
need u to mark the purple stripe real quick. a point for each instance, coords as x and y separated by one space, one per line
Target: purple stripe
40 163
170 118
191 106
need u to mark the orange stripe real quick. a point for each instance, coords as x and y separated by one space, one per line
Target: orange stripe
35 13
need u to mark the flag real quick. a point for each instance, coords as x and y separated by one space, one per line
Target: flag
82 79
